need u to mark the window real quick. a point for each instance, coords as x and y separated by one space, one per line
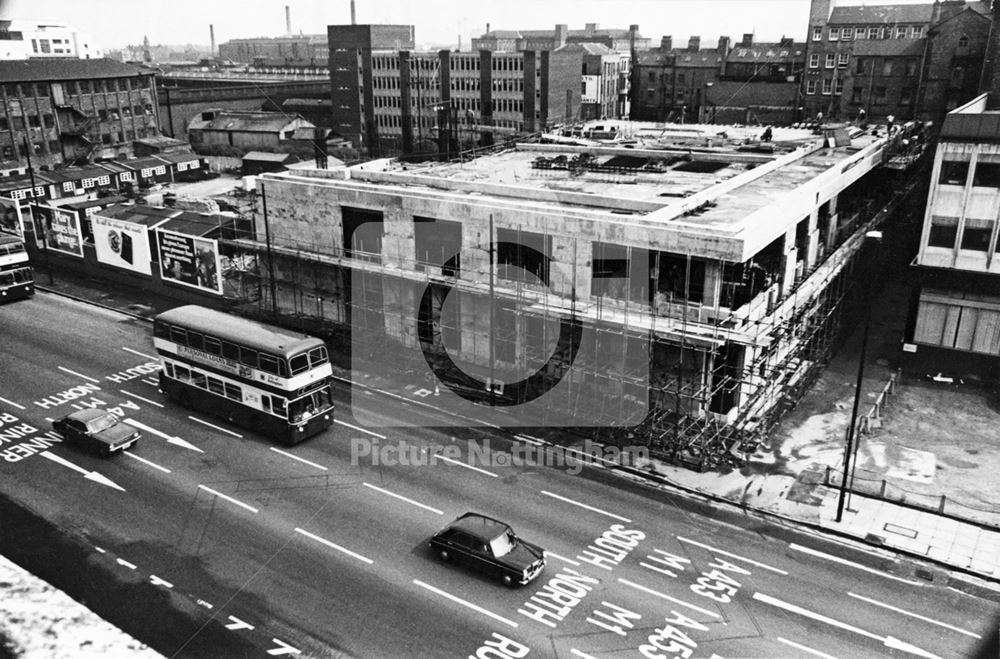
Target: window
976 235
887 67
817 34
834 33
67 186
953 172
827 86
911 67
831 60
906 97
943 232
216 387
986 175
843 59
810 86
847 33
232 391
299 363
248 356
917 31
860 65
178 336
213 346
901 32
878 95
963 41
873 32
814 61
859 33
230 351
838 86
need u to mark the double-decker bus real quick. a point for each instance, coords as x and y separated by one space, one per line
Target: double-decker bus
268 379
16 279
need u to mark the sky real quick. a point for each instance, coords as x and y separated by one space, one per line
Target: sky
115 23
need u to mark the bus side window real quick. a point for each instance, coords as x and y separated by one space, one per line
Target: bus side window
213 346
199 379
215 386
232 391
278 405
178 336
269 364
299 363
230 351
169 368
182 373
196 340
161 330
265 403
248 356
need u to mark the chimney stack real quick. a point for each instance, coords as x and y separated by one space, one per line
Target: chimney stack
747 39
354 19
288 19
590 28
723 46
562 32
666 43
211 34
694 44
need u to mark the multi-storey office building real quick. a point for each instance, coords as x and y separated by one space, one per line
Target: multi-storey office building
711 281
397 101
73 110
29 40
957 313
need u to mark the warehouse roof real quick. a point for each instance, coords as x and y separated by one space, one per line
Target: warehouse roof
35 70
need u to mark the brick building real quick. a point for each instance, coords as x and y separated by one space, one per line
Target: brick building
908 61
73 110
669 84
616 39
304 50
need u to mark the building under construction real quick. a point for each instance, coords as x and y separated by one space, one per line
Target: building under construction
683 279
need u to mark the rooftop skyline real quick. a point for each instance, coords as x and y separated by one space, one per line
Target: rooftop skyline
115 23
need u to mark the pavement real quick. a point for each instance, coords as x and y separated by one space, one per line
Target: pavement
794 480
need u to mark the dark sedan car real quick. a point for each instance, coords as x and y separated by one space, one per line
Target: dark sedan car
97 430
491 547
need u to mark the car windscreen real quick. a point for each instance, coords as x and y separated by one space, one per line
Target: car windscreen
503 544
101 423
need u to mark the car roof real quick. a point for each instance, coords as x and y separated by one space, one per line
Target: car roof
480 525
88 414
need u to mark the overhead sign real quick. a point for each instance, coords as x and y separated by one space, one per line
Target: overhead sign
10 217
122 244
189 261
59 229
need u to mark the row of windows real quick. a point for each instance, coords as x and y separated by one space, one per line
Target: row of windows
975 236
204 381
75 87
247 356
870 32
838 60
955 172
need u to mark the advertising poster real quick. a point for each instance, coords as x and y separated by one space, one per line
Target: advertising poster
10 217
121 244
60 229
188 260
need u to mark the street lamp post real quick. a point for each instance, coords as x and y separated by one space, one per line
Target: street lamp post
850 449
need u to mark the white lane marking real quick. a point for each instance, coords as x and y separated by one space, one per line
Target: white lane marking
123 562
238 624
736 556
100 550
530 440
79 375
844 561
156 581
583 505
141 354
283 648
914 615
334 546
887 641
295 457
359 429
13 404
459 463
228 432
657 593
402 498
89 475
459 600
581 654
170 438
207 605
151 464
561 558
153 382
229 499
798 646
137 396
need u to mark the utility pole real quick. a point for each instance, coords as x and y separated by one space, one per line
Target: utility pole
45 239
270 259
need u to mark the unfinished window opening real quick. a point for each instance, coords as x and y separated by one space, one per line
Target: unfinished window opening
438 245
620 272
523 256
678 277
362 233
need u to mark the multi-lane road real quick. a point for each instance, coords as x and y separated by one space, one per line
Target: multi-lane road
208 540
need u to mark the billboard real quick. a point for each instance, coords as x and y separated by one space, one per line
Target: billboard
10 217
122 244
59 229
189 261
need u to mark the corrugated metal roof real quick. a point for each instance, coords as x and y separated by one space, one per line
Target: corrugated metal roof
881 14
246 122
32 70
264 156
982 127
138 214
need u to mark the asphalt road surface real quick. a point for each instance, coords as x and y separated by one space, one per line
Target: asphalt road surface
208 540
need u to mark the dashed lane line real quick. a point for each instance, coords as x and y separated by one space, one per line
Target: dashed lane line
657 593
844 561
466 603
358 428
302 460
799 646
731 555
402 498
229 499
914 615
148 462
212 425
138 397
334 545
79 375
585 506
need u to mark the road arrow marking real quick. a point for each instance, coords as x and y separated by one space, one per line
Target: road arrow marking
283 648
888 641
177 441
238 624
89 475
